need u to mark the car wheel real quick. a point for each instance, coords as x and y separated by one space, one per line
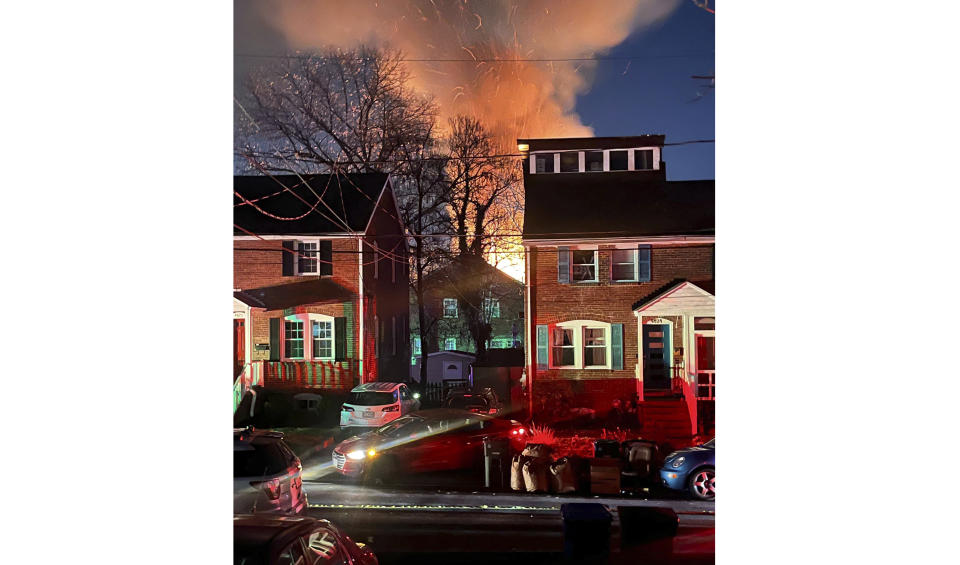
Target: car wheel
702 483
381 471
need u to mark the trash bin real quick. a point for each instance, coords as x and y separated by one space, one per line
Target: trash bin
606 448
496 463
586 530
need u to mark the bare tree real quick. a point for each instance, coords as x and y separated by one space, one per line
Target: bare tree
481 187
346 109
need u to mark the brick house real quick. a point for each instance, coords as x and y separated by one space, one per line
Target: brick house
619 271
320 284
502 308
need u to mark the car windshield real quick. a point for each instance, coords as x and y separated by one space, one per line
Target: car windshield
370 398
404 427
467 402
711 444
263 460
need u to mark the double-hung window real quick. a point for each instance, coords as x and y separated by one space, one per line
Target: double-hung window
322 339
624 265
449 307
643 159
307 257
491 307
562 348
594 347
584 265
544 162
450 344
293 339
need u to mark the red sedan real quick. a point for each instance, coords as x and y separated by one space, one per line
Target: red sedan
428 440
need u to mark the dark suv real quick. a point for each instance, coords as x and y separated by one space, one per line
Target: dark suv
266 474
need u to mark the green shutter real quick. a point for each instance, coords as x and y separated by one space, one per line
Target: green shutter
275 333
563 264
643 263
340 338
616 346
543 349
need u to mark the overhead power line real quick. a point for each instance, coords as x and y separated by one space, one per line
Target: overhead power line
491 59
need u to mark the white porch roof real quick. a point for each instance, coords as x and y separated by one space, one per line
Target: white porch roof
683 298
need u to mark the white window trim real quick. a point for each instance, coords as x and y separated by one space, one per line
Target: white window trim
578 327
296 258
596 264
488 307
631 165
456 309
636 267
416 346
307 320
447 340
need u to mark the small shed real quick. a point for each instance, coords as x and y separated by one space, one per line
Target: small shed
501 372
444 366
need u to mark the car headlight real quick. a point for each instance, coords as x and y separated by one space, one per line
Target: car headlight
358 454
676 462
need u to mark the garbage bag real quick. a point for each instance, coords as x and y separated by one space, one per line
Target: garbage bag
537 450
535 476
516 473
563 476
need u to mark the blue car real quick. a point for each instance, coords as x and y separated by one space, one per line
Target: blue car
692 469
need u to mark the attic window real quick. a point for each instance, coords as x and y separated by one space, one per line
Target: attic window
643 159
570 162
594 161
618 160
544 162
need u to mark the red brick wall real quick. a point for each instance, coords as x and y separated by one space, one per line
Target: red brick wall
258 263
605 301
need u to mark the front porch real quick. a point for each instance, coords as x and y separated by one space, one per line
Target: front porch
676 345
340 376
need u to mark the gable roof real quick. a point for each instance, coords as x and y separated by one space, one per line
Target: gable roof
352 197
705 286
615 204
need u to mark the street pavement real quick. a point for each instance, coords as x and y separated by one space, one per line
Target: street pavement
484 527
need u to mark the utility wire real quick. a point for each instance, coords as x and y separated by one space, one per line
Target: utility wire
490 59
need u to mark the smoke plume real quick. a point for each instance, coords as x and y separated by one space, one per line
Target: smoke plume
514 99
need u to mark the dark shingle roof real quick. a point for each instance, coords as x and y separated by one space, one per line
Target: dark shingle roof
278 297
615 204
351 196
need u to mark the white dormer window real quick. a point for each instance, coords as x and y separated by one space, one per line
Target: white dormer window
544 162
596 160
593 162
643 160
570 162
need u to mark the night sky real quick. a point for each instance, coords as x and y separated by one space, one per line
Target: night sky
656 94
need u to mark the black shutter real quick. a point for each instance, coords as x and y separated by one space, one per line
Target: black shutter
340 338
325 257
289 252
275 339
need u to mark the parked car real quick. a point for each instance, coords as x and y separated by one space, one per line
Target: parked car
375 404
282 540
692 469
266 473
429 440
483 402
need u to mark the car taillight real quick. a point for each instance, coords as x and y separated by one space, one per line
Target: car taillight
271 488
518 431
393 408
348 408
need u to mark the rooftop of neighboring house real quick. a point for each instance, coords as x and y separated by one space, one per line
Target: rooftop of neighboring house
571 143
440 278
348 201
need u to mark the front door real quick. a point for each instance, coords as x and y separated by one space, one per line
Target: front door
239 347
656 357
